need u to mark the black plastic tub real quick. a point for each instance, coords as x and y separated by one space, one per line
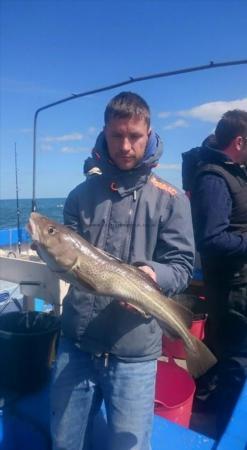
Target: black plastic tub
28 343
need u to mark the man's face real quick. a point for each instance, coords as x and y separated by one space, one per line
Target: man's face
126 140
244 151
241 145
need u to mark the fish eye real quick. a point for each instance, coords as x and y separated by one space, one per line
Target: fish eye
51 230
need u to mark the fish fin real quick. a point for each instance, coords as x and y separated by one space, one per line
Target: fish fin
200 360
81 283
143 313
86 286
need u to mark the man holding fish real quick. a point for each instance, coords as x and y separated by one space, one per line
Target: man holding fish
108 349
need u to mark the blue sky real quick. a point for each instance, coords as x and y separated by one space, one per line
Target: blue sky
50 49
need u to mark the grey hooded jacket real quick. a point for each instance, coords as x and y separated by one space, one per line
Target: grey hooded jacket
138 218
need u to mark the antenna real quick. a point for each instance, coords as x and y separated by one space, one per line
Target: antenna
17 204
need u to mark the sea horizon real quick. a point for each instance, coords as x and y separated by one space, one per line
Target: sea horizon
49 206
27 198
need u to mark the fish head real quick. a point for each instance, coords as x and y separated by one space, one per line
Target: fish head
52 241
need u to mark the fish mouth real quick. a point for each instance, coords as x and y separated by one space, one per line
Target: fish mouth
32 229
29 228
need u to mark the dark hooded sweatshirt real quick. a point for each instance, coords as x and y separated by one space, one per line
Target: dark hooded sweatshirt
138 218
219 207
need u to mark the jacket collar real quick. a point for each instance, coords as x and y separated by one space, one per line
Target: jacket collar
212 154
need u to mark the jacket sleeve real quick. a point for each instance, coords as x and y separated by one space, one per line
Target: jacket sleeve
174 254
212 206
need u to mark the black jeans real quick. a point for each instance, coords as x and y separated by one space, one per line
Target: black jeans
226 328
226 336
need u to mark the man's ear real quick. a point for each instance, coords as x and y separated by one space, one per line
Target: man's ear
243 141
149 131
239 141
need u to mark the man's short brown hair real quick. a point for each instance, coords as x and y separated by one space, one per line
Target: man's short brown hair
232 124
127 105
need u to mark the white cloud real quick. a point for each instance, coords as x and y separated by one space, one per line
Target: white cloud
64 138
212 112
169 166
163 114
68 149
179 123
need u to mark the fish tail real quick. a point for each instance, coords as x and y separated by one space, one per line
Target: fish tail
199 360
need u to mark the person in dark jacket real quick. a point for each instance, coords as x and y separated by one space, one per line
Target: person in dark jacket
219 209
108 351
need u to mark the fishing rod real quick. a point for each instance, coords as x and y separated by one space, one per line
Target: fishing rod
211 65
17 205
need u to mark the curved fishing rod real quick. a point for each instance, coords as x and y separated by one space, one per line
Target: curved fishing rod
211 65
17 205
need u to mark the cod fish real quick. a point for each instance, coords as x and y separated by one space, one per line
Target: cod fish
77 261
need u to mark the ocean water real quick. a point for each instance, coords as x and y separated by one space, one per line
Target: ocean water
51 207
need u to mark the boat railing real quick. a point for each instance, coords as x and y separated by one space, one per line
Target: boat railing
36 281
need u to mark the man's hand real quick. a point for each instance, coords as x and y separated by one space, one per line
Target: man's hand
149 271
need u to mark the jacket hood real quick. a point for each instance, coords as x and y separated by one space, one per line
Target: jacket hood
125 181
151 157
209 151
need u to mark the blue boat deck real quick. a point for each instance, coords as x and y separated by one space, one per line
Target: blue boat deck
24 424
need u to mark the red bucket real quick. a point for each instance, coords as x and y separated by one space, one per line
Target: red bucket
174 393
175 347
